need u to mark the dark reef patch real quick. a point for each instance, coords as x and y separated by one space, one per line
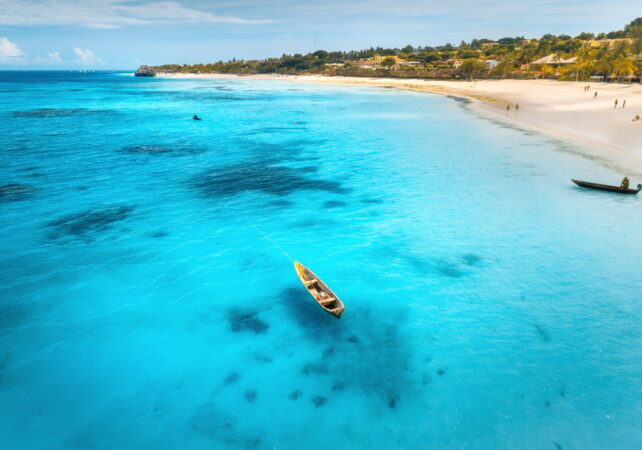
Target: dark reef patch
318 401
4 361
15 192
306 223
450 270
543 333
146 149
281 203
315 368
259 357
392 402
372 201
441 372
250 395
277 129
210 421
86 223
278 153
241 320
159 234
294 395
231 378
62 112
330 204
156 150
213 422
261 177
11 316
471 259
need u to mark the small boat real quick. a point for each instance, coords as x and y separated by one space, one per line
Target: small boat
318 289
606 187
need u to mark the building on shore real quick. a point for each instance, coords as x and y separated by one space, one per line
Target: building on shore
552 60
491 63
376 62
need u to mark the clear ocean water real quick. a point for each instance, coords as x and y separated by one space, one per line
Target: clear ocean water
148 299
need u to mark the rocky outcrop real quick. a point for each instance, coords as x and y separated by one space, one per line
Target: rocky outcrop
145 71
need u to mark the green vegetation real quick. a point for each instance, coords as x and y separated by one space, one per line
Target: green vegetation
616 56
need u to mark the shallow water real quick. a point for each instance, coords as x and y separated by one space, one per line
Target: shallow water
147 298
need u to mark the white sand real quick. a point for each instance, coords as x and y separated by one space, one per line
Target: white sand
559 108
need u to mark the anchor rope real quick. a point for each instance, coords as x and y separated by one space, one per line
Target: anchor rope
269 239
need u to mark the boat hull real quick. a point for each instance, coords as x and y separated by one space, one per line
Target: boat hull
604 187
321 293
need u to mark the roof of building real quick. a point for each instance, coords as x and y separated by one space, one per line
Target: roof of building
554 59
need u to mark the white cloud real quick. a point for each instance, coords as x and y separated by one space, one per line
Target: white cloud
106 13
51 58
9 52
87 57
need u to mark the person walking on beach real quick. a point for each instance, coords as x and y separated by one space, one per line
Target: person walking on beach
623 103
595 94
615 106
516 107
507 107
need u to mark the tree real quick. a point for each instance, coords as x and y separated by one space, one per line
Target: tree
388 62
585 36
471 68
547 70
623 66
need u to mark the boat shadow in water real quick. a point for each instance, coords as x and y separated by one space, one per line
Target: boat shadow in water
366 350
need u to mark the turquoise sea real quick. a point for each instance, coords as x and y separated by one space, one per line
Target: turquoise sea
148 298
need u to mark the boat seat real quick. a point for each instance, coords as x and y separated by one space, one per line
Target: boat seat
310 282
326 301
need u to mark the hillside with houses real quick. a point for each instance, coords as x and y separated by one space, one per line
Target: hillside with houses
613 56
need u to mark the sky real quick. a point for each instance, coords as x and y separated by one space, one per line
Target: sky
123 34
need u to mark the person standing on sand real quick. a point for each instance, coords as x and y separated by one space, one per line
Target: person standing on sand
595 94
623 103
507 107
516 107
615 106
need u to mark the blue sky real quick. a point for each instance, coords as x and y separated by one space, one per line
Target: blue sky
122 34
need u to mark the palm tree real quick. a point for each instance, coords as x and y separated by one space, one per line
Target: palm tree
623 65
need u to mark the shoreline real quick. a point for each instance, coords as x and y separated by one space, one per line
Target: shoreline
558 108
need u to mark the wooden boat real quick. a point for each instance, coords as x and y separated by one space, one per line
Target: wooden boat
319 290
606 187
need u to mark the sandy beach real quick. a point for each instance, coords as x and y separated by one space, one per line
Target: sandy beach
562 109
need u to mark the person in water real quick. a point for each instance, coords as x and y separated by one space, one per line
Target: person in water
195 117
625 183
